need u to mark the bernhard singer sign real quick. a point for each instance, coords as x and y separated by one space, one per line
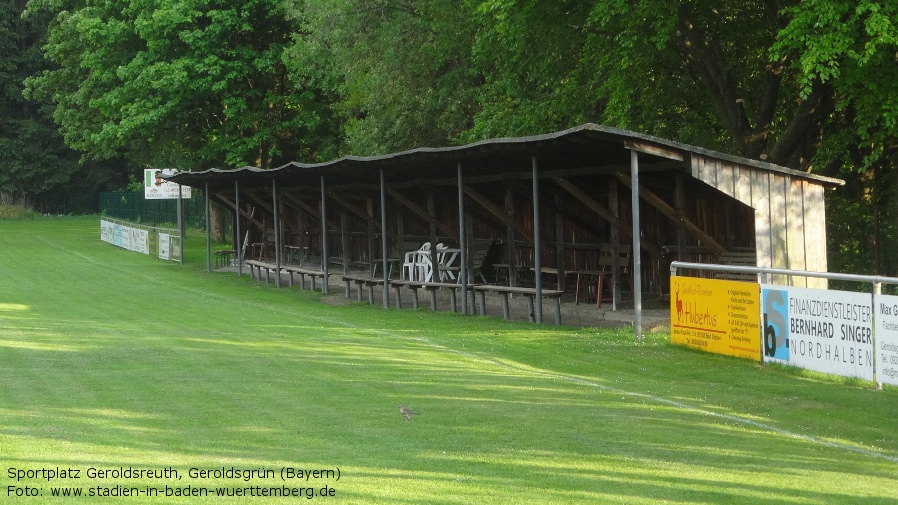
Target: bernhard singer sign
826 331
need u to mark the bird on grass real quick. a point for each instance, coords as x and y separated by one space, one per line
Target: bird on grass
407 412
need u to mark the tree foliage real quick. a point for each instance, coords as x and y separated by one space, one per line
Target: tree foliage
180 83
34 158
808 84
400 69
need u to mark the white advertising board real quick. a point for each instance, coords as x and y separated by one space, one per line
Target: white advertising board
126 237
105 231
164 246
817 329
143 241
154 188
133 239
886 307
117 234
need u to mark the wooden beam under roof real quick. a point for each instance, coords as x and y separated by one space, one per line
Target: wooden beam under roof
604 213
351 207
294 201
230 204
673 214
420 212
654 150
610 169
495 211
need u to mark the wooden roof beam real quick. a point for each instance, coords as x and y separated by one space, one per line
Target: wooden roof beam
293 201
261 202
496 211
593 205
673 214
604 213
355 210
419 211
267 206
583 221
230 204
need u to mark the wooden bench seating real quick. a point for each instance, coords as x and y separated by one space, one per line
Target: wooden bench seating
302 273
530 293
259 266
431 288
361 281
224 258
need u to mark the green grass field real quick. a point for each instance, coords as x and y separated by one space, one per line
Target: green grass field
110 359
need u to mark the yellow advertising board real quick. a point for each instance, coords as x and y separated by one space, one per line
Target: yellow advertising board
716 316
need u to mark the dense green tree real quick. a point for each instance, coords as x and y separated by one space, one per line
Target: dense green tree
695 71
811 85
808 84
172 82
401 69
34 159
853 48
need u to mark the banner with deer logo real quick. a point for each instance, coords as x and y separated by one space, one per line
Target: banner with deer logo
718 316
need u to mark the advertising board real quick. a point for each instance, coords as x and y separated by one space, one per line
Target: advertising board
155 188
886 352
718 316
816 329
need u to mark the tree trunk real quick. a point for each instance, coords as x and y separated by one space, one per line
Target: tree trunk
216 222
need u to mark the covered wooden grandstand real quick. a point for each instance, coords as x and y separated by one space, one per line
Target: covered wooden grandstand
548 204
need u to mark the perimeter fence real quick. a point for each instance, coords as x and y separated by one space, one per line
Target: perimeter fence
133 207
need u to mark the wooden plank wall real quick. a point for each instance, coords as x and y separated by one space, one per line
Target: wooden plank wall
790 217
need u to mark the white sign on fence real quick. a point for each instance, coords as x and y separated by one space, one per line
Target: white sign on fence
128 237
154 188
106 231
817 329
164 246
886 307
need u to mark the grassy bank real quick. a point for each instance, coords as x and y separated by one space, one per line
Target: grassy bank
110 359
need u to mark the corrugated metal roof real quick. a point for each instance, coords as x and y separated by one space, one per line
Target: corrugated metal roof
588 145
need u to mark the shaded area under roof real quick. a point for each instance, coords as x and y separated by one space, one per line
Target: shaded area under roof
586 146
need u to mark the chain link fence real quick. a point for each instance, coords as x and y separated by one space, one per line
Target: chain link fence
135 208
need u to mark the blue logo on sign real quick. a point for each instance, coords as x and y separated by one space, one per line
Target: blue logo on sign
775 315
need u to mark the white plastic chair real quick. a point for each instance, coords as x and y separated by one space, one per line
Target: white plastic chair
412 265
446 262
424 265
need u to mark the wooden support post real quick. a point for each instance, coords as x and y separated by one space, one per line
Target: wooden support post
560 260
680 202
384 262
614 205
537 253
510 248
324 252
344 241
432 219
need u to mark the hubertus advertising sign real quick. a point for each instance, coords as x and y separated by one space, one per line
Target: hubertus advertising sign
718 316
